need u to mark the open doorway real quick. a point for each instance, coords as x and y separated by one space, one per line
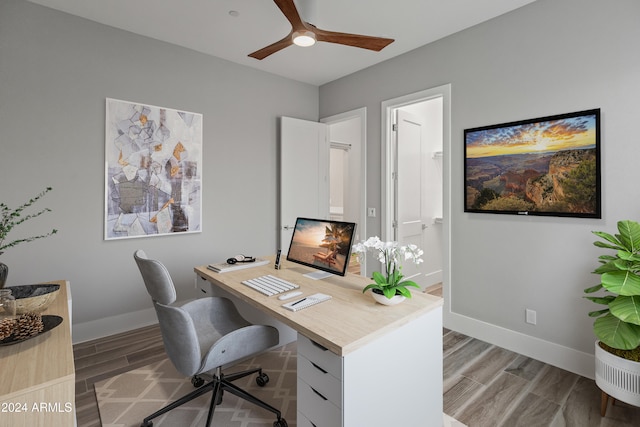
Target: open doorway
415 147
347 184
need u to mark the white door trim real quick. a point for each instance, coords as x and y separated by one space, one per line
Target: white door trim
362 114
387 196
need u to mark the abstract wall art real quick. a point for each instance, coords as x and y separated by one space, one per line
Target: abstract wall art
544 166
153 182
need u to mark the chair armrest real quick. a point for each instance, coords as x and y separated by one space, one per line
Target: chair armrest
240 344
218 312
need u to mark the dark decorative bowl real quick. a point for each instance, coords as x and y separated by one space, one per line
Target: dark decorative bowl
33 298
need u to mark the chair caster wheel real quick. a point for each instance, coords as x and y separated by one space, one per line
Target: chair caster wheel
197 381
262 380
280 423
147 424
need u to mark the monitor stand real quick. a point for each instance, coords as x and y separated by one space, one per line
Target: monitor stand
317 275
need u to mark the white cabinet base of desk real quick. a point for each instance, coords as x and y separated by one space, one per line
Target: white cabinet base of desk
403 365
371 352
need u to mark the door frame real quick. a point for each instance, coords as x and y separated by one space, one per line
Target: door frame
360 113
387 213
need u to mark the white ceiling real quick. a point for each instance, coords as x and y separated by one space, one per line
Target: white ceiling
207 26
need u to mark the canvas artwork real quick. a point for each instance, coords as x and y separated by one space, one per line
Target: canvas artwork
153 170
543 166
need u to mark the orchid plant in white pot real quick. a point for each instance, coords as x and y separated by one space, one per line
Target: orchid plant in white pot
391 282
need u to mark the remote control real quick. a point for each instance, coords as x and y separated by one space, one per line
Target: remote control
289 295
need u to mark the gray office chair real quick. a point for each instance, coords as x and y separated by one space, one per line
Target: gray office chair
203 335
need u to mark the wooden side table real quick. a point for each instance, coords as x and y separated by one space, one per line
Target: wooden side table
37 384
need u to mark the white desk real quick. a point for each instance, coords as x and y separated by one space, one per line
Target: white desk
355 357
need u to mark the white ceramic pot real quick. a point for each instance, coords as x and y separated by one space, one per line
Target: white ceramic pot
381 299
618 377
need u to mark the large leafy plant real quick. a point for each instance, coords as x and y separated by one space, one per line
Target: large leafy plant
391 255
618 325
11 218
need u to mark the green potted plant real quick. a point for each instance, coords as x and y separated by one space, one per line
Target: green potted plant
12 218
389 288
617 326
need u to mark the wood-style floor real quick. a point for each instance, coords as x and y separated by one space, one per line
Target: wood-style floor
103 358
484 385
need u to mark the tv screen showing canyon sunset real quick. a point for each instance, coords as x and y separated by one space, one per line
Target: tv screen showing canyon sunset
544 166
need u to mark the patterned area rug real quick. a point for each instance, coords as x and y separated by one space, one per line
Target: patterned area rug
126 399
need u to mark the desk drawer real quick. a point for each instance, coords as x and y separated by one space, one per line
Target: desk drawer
302 421
320 356
316 407
321 380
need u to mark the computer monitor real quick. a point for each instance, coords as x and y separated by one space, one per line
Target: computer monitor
322 244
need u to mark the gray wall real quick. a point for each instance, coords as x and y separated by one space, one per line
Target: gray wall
55 72
549 57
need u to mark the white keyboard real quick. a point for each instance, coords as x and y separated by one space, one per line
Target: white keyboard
270 285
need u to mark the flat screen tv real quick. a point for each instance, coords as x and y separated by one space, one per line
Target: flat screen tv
322 244
543 166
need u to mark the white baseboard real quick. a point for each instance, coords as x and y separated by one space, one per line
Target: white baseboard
433 278
101 328
425 281
553 354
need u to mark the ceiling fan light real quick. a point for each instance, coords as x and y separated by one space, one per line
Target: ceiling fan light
304 38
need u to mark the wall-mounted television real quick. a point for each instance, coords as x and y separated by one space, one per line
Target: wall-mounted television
322 244
543 166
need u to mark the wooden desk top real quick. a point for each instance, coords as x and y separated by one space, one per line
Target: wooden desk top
39 361
343 324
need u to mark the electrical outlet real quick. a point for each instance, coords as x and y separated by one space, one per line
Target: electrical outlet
530 316
371 212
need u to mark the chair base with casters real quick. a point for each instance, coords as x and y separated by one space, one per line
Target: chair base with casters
219 385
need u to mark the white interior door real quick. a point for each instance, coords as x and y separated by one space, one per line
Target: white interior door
304 174
408 189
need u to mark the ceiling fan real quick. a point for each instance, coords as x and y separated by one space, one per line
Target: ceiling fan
306 34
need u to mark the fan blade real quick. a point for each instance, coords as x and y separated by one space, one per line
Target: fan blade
355 40
272 48
290 12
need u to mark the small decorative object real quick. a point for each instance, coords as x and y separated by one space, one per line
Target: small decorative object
618 325
6 328
34 298
4 272
13 217
7 313
391 283
379 297
27 326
